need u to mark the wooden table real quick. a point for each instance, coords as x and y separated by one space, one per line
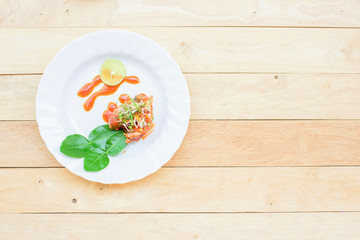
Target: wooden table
273 146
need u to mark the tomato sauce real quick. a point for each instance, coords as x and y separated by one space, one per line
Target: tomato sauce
131 79
89 87
104 91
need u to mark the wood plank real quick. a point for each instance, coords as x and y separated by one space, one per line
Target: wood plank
185 190
330 13
205 49
270 96
233 96
247 143
325 226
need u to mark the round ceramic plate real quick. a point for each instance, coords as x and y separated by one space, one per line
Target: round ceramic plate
59 111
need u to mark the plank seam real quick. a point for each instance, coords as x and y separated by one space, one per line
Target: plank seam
183 26
187 213
230 120
204 167
219 73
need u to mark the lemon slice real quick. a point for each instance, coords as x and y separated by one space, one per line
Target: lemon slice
112 71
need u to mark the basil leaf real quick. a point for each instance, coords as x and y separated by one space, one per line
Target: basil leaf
100 135
96 160
116 143
75 145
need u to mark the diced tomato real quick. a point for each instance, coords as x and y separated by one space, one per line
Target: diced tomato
112 106
124 98
141 96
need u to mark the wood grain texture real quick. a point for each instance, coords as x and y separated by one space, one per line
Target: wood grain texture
205 49
231 179
185 190
329 13
244 226
247 143
233 96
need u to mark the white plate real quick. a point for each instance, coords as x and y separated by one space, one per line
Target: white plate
59 111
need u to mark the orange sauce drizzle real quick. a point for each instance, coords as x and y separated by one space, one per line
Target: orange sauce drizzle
104 91
89 87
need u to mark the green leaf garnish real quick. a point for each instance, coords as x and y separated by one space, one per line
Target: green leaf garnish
135 105
132 119
96 160
103 142
116 143
100 135
75 145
